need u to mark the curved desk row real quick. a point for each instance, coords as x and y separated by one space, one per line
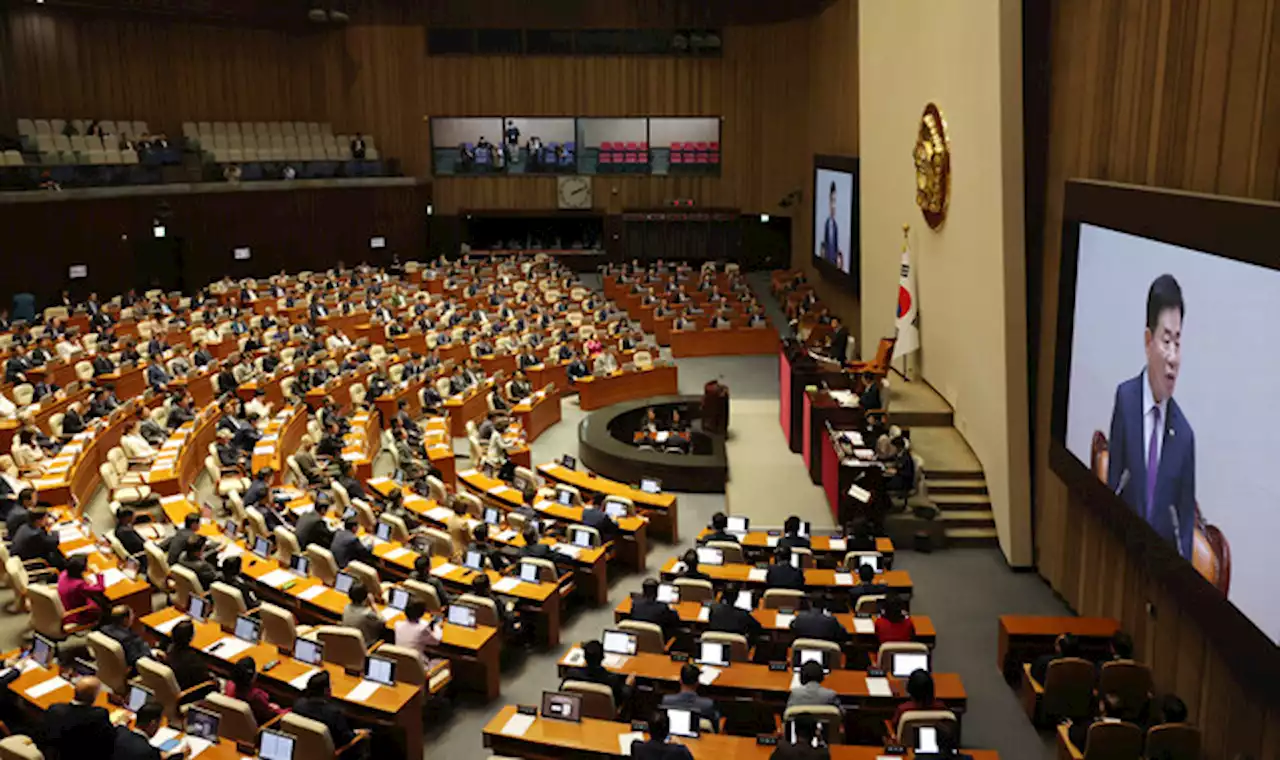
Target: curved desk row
625 385
660 508
815 579
716 341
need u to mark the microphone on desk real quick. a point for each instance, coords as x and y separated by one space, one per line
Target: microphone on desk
1124 481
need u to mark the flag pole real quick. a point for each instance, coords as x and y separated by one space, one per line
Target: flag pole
906 236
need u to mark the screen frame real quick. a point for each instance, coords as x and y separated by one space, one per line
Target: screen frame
1229 228
851 280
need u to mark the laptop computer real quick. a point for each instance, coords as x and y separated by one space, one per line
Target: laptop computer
906 664
619 642
461 614
308 651
713 653
197 607
562 706
738 525
682 722
248 629
397 598
343 582
380 670
709 555
201 723
650 485
274 745
668 593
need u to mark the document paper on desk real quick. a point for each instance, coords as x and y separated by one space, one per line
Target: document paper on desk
626 740
169 625
838 544
517 725
708 675
879 687
444 568
704 614
301 681
784 621
864 625
757 574
277 578
363 691
844 579
506 584
53 684
312 593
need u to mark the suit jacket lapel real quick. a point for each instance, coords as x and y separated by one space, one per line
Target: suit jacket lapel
1138 461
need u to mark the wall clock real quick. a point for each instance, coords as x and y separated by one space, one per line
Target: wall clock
573 192
933 167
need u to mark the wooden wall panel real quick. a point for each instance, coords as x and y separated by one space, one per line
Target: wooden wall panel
1181 94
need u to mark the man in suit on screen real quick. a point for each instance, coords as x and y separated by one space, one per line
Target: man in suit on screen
1152 447
831 234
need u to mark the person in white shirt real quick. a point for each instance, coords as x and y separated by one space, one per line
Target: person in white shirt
66 347
605 363
416 633
258 406
135 446
26 453
8 409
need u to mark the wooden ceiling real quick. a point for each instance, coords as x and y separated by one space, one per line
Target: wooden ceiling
507 14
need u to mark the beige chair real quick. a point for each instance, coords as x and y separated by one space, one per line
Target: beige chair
323 565
649 636
805 555
159 678
228 604
157 567
399 530
342 646
255 523
436 489
48 616
782 599
732 551
695 590
828 715
1173 741
108 655
547 572
739 648
19 747
834 653
313 739
486 609
279 627
913 720
424 593
367 576
1066 693
596 538
340 496
185 583
1105 741
597 699
236 721
891 649
851 559
475 507
868 604
1130 680
364 513
621 501
287 546
439 541
227 483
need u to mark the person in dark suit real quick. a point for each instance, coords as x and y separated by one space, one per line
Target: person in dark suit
102 365
782 575
259 488
815 623
648 609
177 543
830 246
180 413
229 573
689 699
71 727
157 378
1152 446
791 534
594 517
34 541
688 567
656 746
128 536
866 585
724 616
577 369
317 703
488 552
311 528
1065 646
73 422
719 530
594 671
533 547
346 545
187 662
802 749
872 396
839 350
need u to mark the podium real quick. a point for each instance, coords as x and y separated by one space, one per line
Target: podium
819 410
715 408
839 472
798 369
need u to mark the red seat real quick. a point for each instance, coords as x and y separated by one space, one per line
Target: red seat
702 146
715 158
632 146
715 147
606 146
619 158
702 158
633 158
677 158
675 146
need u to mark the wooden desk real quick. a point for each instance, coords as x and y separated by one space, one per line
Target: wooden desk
814 578
599 392
1022 638
713 341
400 705
338 389
828 551
549 738
76 539
540 375
280 439
631 548
464 407
538 412
864 640
660 508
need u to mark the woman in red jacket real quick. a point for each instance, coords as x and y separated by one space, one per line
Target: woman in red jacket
895 624
243 686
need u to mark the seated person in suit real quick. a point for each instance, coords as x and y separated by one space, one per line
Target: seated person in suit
521 388
782 575
648 609
176 544
193 559
1111 708
243 685
656 746
1065 646
135 743
689 699
815 623
128 536
577 369
860 535
533 547
73 421
594 671
687 567
490 553
78 592
317 703
719 530
187 662
894 624
872 393
305 457
791 534
259 489
803 748
920 689
726 617
902 471
360 615
866 585
118 624
811 692
346 545
605 363
230 569
422 574
34 541
595 517
71 727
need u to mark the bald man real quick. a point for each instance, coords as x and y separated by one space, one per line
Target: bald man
70 727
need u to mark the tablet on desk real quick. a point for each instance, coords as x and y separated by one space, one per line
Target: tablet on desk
564 497
342 582
871 560
308 650
581 538
397 598
738 525
42 649
382 531
197 607
491 516
138 696
474 560
201 723
619 642
300 564
569 462
926 740
274 745
530 573
261 547
709 555
650 485
615 510
819 656
462 615
682 722
248 629
562 706
668 593
713 653
744 602
380 670
906 663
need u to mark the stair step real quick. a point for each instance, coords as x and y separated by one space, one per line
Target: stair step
972 537
947 501
967 515
935 473
938 486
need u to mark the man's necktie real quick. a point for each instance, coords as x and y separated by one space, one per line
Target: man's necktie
1153 463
